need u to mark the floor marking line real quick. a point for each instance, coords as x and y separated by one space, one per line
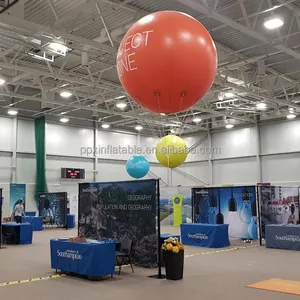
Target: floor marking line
63 275
220 251
31 280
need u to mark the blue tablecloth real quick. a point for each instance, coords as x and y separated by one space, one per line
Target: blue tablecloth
205 235
30 213
70 221
36 222
24 231
90 259
283 236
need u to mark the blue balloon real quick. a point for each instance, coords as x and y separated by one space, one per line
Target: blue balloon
137 166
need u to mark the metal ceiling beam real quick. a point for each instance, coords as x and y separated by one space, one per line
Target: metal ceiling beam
248 31
37 29
255 95
56 75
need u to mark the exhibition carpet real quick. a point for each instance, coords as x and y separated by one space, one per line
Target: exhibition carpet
214 276
278 285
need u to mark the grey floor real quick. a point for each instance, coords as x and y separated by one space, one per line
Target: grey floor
221 275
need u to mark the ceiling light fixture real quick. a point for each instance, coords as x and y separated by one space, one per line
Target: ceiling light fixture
197 120
138 127
64 120
120 97
2 81
12 112
162 114
291 116
66 94
229 126
172 131
105 126
59 48
273 22
221 96
261 105
121 105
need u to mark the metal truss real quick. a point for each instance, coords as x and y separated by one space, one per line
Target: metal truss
250 78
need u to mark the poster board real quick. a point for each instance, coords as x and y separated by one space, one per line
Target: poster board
17 192
278 205
53 207
235 205
117 210
172 213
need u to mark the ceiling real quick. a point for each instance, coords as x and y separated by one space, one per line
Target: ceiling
255 64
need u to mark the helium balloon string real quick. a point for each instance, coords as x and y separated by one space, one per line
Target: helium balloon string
181 102
157 97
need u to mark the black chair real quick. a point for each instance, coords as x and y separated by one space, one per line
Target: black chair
123 254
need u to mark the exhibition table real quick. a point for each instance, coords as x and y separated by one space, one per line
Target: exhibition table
22 232
36 222
70 221
205 235
30 213
92 259
283 236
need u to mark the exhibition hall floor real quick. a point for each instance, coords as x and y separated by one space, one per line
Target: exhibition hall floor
209 276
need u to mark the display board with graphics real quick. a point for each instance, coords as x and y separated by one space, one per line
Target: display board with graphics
17 192
53 208
235 206
175 206
118 210
278 205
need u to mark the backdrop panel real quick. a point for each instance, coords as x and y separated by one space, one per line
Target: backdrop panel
117 210
278 205
17 192
235 206
54 207
175 206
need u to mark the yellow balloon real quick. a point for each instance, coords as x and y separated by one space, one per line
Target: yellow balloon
171 151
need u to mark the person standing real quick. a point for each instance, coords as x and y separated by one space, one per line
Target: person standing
18 212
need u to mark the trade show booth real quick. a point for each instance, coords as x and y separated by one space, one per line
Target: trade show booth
235 206
53 209
122 210
279 222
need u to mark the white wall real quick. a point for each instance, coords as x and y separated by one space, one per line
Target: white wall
226 157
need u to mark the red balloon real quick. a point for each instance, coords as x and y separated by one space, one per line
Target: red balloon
167 61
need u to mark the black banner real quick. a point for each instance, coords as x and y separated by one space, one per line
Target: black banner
119 210
53 208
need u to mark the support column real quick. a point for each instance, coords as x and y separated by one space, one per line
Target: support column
258 151
96 154
14 151
138 140
40 156
210 165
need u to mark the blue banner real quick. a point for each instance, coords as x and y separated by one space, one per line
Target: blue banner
17 193
235 206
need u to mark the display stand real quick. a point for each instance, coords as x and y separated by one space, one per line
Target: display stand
1 203
159 275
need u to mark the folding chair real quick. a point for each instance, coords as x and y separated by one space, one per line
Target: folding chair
123 254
